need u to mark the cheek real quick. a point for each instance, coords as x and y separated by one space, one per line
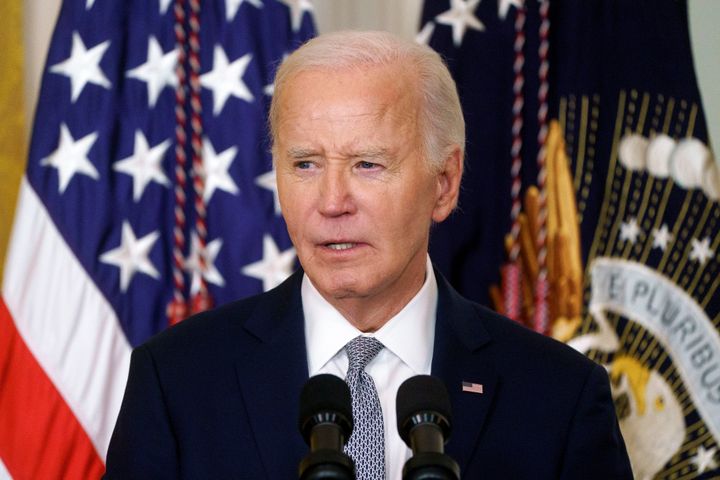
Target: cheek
419 206
408 224
292 215
294 219
405 210
292 200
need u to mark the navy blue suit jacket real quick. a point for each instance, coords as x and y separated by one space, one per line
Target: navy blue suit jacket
217 397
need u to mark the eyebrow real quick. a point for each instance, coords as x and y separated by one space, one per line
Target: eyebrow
299 153
369 153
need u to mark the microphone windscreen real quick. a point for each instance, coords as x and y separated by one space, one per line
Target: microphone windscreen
325 395
419 395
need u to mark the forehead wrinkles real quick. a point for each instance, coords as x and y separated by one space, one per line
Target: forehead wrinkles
386 95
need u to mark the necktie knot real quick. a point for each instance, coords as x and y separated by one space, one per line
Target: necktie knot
361 350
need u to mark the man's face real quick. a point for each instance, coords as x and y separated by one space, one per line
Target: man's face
356 193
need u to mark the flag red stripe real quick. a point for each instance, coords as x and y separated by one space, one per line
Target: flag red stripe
39 435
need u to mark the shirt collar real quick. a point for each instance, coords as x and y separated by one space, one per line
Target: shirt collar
410 334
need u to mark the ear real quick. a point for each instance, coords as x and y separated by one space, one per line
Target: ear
448 184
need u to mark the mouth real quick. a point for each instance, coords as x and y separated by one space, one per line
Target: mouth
340 246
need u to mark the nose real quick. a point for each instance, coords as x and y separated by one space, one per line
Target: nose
335 194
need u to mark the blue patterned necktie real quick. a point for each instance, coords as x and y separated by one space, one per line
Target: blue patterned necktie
367 443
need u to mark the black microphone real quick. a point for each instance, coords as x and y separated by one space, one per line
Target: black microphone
424 421
325 422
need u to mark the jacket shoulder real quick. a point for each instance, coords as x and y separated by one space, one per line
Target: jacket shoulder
235 322
521 340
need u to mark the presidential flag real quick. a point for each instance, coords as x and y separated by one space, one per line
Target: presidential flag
592 202
149 194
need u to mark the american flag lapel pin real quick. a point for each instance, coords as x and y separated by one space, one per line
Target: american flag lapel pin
472 387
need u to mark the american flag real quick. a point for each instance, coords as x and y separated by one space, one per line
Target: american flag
148 181
472 387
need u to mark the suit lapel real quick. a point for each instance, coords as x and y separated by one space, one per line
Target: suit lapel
273 370
460 356
271 375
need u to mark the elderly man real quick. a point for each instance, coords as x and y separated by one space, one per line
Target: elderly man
368 142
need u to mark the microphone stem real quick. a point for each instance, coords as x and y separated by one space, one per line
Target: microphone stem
327 436
426 438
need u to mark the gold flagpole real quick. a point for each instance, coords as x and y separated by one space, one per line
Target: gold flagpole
13 138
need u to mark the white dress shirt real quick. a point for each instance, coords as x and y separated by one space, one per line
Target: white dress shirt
408 338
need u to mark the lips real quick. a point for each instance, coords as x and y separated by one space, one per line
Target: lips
340 246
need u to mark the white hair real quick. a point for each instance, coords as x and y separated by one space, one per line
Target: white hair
442 126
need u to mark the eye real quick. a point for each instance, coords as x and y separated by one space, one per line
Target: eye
303 165
365 165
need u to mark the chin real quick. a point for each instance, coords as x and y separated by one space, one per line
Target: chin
338 285
340 290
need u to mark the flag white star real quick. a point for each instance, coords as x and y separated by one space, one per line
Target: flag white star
132 255
661 237
629 231
269 180
70 157
194 265
89 4
504 6
216 167
297 10
701 250
225 79
232 7
460 17
423 37
274 267
158 71
704 459
164 4
83 66
144 165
